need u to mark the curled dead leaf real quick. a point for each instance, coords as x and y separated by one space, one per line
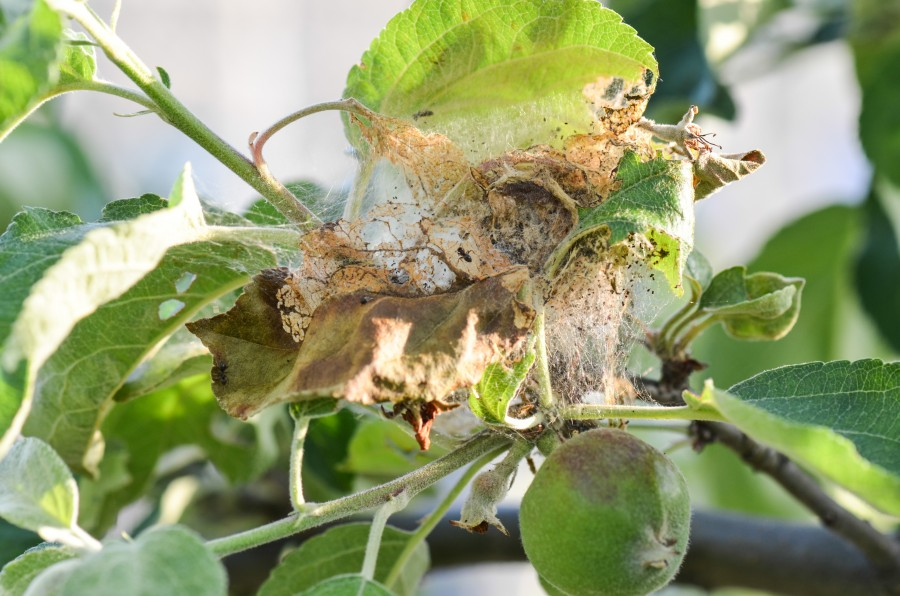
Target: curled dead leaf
712 171
362 346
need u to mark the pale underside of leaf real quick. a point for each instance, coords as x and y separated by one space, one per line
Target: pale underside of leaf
481 72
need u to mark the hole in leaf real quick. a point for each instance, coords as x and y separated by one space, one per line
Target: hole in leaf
169 308
184 282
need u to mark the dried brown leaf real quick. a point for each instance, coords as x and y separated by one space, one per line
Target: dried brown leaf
712 171
363 347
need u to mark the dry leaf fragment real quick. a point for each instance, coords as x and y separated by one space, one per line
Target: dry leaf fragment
713 171
363 347
431 162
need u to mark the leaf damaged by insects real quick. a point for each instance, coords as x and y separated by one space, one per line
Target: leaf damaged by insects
363 347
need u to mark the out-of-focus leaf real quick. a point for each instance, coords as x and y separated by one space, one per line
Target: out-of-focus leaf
878 271
14 541
144 429
31 46
838 418
759 306
671 27
875 40
382 450
341 550
699 269
325 449
162 560
37 491
17 574
519 69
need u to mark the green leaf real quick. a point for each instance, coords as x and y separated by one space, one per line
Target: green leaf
32 243
820 248
672 28
876 47
699 269
107 261
31 45
162 560
837 418
17 574
162 280
181 357
348 584
325 449
877 270
489 399
341 550
80 60
125 209
37 491
164 77
759 306
143 430
655 198
381 450
496 74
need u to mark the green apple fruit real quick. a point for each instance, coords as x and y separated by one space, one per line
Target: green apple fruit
606 514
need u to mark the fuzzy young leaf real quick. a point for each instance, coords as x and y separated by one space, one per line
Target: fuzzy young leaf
656 199
759 306
489 399
80 60
19 573
37 491
162 560
520 69
837 418
341 550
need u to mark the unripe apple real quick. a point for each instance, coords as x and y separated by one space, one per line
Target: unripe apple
606 514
